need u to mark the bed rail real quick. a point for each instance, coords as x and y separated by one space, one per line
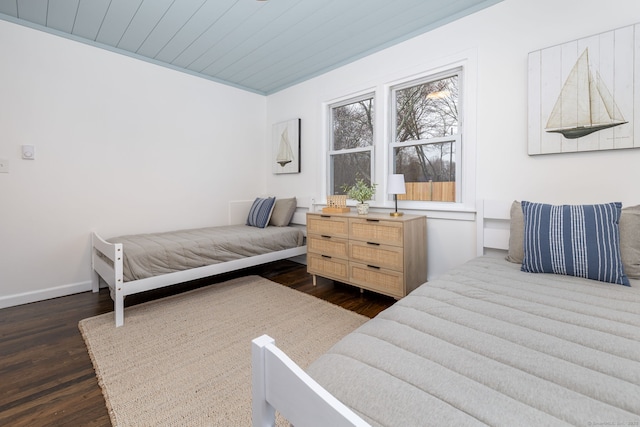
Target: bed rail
278 383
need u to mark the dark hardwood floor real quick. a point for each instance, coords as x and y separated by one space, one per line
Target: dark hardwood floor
46 375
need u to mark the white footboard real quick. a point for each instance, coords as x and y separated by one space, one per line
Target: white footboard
279 384
106 260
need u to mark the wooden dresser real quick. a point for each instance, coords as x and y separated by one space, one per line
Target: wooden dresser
376 251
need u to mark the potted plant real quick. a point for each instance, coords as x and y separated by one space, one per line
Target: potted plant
361 191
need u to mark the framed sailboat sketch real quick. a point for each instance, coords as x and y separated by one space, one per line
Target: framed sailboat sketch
582 94
286 147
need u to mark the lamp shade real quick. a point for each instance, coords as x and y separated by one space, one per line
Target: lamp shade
395 184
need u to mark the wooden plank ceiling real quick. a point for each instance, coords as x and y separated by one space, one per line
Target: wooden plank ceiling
261 46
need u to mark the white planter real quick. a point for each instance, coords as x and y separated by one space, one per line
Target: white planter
363 208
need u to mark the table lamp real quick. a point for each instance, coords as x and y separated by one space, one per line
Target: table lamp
395 186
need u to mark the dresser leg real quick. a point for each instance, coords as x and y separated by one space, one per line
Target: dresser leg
314 279
361 291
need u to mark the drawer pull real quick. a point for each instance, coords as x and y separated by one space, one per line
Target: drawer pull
373 220
326 256
373 243
325 236
325 216
373 266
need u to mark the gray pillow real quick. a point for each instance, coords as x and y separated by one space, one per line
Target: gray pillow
516 234
630 241
283 212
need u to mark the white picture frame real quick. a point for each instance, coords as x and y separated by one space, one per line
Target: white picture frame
285 138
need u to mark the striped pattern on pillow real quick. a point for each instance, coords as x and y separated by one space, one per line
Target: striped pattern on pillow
260 212
574 240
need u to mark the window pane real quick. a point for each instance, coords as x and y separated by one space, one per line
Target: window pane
347 167
427 110
352 125
429 171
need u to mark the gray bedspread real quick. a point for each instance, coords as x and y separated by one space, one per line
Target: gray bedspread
148 255
487 344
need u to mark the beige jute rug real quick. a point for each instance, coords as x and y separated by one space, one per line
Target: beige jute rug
185 360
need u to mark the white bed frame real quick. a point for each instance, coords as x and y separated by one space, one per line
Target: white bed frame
112 272
493 218
279 384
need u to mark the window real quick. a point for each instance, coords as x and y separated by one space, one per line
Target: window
352 135
423 129
425 145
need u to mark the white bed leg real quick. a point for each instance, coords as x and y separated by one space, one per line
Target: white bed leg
95 281
263 414
118 306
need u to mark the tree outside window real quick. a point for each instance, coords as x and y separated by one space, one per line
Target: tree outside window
426 141
352 133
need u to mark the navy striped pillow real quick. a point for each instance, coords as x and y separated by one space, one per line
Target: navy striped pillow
575 240
260 212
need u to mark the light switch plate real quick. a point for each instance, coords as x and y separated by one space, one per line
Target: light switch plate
4 165
28 152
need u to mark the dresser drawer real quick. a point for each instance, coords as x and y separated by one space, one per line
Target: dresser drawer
381 280
328 225
384 256
327 266
328 245
376 231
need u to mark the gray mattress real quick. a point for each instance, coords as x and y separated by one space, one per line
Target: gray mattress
489 344
148 255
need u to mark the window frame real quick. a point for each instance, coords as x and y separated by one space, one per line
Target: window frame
457 138
332 153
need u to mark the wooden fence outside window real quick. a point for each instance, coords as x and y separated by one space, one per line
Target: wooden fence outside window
430 191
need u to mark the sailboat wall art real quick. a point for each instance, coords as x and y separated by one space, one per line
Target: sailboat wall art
286 147
583 94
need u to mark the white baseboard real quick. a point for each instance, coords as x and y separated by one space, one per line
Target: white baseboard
44 294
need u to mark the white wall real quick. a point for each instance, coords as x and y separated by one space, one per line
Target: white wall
122 146
501 38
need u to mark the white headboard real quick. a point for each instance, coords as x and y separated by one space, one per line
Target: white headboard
492 220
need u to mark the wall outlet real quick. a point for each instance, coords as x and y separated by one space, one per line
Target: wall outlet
4 165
